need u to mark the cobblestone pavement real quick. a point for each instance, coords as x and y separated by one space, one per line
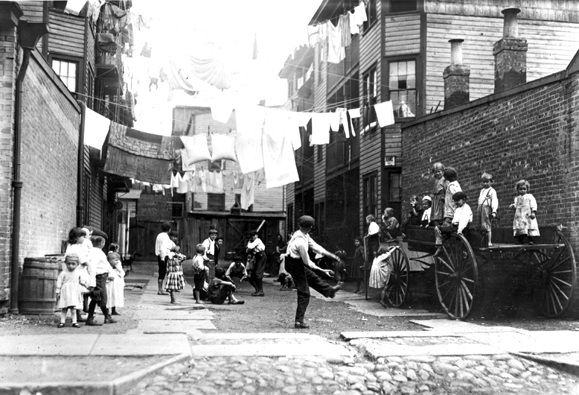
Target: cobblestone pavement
475 374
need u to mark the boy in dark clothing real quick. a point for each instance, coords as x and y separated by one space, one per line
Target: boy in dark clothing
219 289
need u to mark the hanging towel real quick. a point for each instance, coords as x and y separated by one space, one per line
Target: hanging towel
249 121
278 156
344 121
96 128
336 51
360 13
202 182
335 121
384 113
354 29
320 128
345 27
248 191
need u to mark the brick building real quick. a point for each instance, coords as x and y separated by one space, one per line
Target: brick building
401 54
50 180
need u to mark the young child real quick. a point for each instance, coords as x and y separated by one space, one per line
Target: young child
380 272
373 236
358 264
199 272
488 204
452 187
389 226
79 245
175 280
68 293
525 225
116 289
461 219
426 211
414 215
339 267
98 271
219 289
438 194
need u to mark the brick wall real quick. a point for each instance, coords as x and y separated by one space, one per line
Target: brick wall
7 96
50 124
529 132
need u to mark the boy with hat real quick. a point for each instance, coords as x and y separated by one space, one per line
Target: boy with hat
460 220
301 268
256 247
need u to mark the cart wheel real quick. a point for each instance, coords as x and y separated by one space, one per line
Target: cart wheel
397 287
554 278
456 277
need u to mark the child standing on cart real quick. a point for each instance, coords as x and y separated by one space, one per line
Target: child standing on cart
460 221
488 204
438 193
525 226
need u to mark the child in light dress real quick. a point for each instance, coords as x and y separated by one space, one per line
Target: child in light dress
452 187
68 289
488 205
79 245
525 226
380 271
116 290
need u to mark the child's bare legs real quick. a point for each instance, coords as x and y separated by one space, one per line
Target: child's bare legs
63 316
173 297
383 301
197 293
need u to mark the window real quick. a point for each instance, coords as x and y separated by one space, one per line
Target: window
369 99
371 14
216 201
371 195
67 72
402 5
402 87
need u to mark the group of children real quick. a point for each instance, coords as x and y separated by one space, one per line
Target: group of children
89 278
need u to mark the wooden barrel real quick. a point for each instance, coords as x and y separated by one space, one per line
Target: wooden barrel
38 285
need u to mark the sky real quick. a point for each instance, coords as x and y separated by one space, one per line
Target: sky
225 30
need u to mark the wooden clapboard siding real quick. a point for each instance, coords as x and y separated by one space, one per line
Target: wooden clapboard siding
551 48
370 143
402 34
546 10
66 34
290 191
393 142
320 97
33 10
320 175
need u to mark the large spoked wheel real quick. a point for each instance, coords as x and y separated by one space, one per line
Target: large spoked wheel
456 277
554 278
397 287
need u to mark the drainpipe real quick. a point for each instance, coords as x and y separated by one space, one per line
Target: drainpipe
28 36
79 206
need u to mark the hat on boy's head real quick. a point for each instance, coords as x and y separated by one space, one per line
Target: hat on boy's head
427 198
253 232
212 230
305 221
459 195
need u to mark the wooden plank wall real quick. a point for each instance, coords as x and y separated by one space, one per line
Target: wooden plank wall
320 97
552 45
370 143
33 12
66 34
402 34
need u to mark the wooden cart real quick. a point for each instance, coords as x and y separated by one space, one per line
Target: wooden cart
549 265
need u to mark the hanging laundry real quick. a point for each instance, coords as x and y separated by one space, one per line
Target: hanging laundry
248 149
186 162
320 128
191 181
384 113
221 108
313 35
140 143
248 191
353 113
334 121
158 188
336 50
146 51
125 164
297 120
344 121
345 27
96 128
202 181
223 147
278 156
354 29
175 178
196 147
182 186
237 180
360 13
217 182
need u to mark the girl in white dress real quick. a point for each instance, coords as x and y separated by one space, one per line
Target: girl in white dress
116 290
525 226
380 272
68 289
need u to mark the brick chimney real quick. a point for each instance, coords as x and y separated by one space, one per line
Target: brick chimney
456 77
510 54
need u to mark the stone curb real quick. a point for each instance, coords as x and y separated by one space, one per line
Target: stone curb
121 385
563 366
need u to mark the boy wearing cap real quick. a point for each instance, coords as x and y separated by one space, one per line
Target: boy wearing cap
209 244
256 247
462 217
300 266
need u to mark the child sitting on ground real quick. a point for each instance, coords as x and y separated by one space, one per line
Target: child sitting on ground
115 289
219 289
199 272
236 269
460 221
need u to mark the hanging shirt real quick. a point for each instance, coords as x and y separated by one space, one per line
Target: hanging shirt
278 156
248 191
321 128
182 184
384 113
336 50
248 143
354 29
360 13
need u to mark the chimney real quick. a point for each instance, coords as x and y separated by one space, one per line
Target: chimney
510 54
456 77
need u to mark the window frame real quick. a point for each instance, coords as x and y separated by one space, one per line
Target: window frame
370 192
369 98
417 86
211 197
69 60
403 2
371 15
